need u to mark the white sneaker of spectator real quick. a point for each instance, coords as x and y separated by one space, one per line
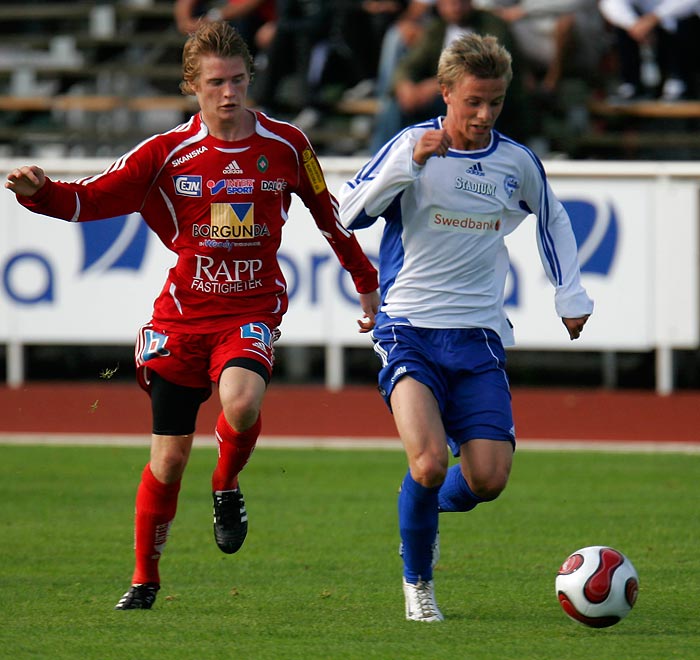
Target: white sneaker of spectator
307 119
673 90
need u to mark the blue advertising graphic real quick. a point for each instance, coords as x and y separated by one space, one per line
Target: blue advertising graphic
596 235
115 243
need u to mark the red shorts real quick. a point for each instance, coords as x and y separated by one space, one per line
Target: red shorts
197 360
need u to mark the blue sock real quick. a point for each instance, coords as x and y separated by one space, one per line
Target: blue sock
455 494
418 524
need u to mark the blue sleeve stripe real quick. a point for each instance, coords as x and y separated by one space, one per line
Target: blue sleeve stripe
547 241
543 217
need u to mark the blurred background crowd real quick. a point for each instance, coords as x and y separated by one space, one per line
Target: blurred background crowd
354 72
312 56
564 50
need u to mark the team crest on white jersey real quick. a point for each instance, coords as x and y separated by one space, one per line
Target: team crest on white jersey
511 184
232 168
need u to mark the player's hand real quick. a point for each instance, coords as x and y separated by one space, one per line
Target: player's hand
431 143
575 326
370 304
26 180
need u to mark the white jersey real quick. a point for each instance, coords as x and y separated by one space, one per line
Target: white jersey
443 258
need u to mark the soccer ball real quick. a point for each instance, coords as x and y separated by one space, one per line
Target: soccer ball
597 586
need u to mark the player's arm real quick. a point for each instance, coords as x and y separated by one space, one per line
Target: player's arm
314 192
344 245
38 193
119 190
559 254
367 196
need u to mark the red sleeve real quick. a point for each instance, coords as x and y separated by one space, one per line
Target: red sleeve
54 199
119 190
324 209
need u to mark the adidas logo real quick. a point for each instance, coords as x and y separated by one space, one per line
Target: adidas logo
232 168
476 170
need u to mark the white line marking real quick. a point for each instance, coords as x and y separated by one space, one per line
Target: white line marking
306 442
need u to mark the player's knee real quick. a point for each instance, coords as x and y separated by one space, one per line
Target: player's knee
241 413
429 470
169 466
489 486
173 469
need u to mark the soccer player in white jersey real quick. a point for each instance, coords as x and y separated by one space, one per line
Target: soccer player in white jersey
450 189
216 191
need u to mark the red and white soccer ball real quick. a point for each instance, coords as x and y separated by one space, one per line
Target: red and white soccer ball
597 586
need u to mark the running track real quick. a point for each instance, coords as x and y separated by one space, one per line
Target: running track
291 414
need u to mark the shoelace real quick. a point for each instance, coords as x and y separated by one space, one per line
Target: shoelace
425 599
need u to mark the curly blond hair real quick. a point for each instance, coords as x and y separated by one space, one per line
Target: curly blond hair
217 38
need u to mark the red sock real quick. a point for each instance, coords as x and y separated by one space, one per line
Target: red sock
234 451
156 504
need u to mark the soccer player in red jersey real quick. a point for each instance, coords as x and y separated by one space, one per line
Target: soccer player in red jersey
216 190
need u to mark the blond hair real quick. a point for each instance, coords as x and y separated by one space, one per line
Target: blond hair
477 55
217 38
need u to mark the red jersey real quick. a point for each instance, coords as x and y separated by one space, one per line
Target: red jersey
220 206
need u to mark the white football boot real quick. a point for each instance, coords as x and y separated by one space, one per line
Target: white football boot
420 601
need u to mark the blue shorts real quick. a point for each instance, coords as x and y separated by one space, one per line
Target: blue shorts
464 369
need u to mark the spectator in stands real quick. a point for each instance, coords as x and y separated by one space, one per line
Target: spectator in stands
216 318
416 92
665 30
363 25
295 60
400 35
556 37
350 51
399 38
247 16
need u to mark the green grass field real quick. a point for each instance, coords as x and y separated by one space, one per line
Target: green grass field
319 575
